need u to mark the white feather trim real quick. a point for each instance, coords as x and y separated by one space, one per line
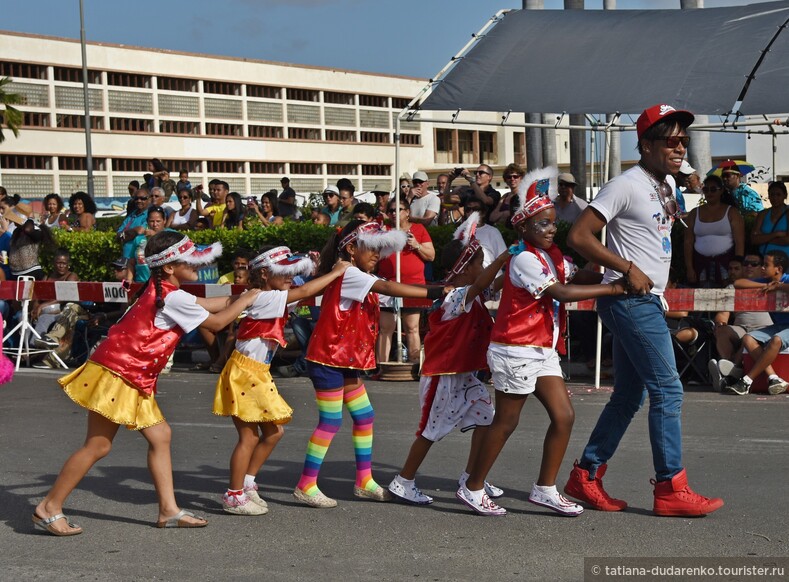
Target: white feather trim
551 173
208 255
463 232
303 267
386 242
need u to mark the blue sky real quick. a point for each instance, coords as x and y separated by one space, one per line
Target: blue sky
415 38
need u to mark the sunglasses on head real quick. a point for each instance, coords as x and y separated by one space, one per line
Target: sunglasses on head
673 141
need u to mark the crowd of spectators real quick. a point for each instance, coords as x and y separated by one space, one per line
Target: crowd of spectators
714 254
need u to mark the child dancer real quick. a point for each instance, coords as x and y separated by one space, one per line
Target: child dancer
118 383
449 391
245 389
343 345
522 354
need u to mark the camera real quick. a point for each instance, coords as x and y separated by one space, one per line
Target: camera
458 171
251 200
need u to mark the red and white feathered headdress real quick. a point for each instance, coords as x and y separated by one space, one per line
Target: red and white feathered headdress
185 251
466 233
280 261
535 193
370 235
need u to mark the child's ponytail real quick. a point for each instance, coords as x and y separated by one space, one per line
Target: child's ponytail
331 253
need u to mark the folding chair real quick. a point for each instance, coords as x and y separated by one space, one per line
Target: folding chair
692 358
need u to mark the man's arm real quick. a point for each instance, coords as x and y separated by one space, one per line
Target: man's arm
583 238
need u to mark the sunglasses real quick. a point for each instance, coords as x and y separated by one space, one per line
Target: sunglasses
480 172
667 200
708 189
673 141
392 210
752 263
404 186
184 197
512 177
418 182
141 198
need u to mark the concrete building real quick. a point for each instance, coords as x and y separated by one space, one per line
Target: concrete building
248 122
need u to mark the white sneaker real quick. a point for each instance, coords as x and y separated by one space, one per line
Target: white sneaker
492 491
777 386
252 493
241 505
479 502
554 500
408 491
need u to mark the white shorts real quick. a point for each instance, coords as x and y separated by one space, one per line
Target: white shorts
519 375
450 401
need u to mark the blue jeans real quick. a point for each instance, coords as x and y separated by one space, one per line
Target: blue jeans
643 364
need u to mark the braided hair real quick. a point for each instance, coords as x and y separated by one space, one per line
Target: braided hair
330 252
156 244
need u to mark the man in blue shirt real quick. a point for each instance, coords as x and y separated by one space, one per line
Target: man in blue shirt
748 200
135 222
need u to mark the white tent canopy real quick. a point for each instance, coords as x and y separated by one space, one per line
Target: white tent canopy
714 61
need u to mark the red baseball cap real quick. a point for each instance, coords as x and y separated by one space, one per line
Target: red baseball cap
651 116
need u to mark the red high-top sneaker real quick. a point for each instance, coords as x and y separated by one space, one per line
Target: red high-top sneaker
676 498
591 491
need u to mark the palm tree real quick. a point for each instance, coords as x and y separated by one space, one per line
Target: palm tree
10 116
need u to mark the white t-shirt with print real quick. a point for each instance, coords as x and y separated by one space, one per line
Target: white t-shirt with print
180 309
529 273
638 228
454 304
356 284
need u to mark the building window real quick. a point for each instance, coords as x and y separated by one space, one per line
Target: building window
225 167
305 168
262 111
223 108
339 116
400 103
129 165
374 137
410 139
229 129
179 105
443 146
303 95
373 101
376 170
304 133
466 146
32 119
339 98
264 92
307 114
175 166
12 162
373 119
129 80
78 121
74 75
266 167
179 127
176 84
341 169
32 94
221 88
519 148
129 102
340 135
487 148
22 70
80 164
73 98
131 124
265 131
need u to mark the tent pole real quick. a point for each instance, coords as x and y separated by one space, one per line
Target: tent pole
398 322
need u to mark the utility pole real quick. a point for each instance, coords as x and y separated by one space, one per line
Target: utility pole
534 147
578 136
699 153
85 92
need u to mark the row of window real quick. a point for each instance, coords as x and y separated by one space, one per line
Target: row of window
174 127
17 70
77 163
459 146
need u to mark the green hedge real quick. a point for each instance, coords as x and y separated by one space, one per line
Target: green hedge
92 252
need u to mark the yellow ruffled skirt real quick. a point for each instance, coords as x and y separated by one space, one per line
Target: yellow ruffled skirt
98 389
245 390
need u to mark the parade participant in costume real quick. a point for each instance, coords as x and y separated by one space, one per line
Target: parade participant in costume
450 393
117 384
343 345
245 389
529 329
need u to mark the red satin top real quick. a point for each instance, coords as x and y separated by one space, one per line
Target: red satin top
345 339
135 349
270 329
523 320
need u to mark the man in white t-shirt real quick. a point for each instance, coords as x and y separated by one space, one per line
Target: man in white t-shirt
567 205
488 236
425 205
638 209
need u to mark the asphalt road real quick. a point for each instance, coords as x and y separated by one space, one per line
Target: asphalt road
734 447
